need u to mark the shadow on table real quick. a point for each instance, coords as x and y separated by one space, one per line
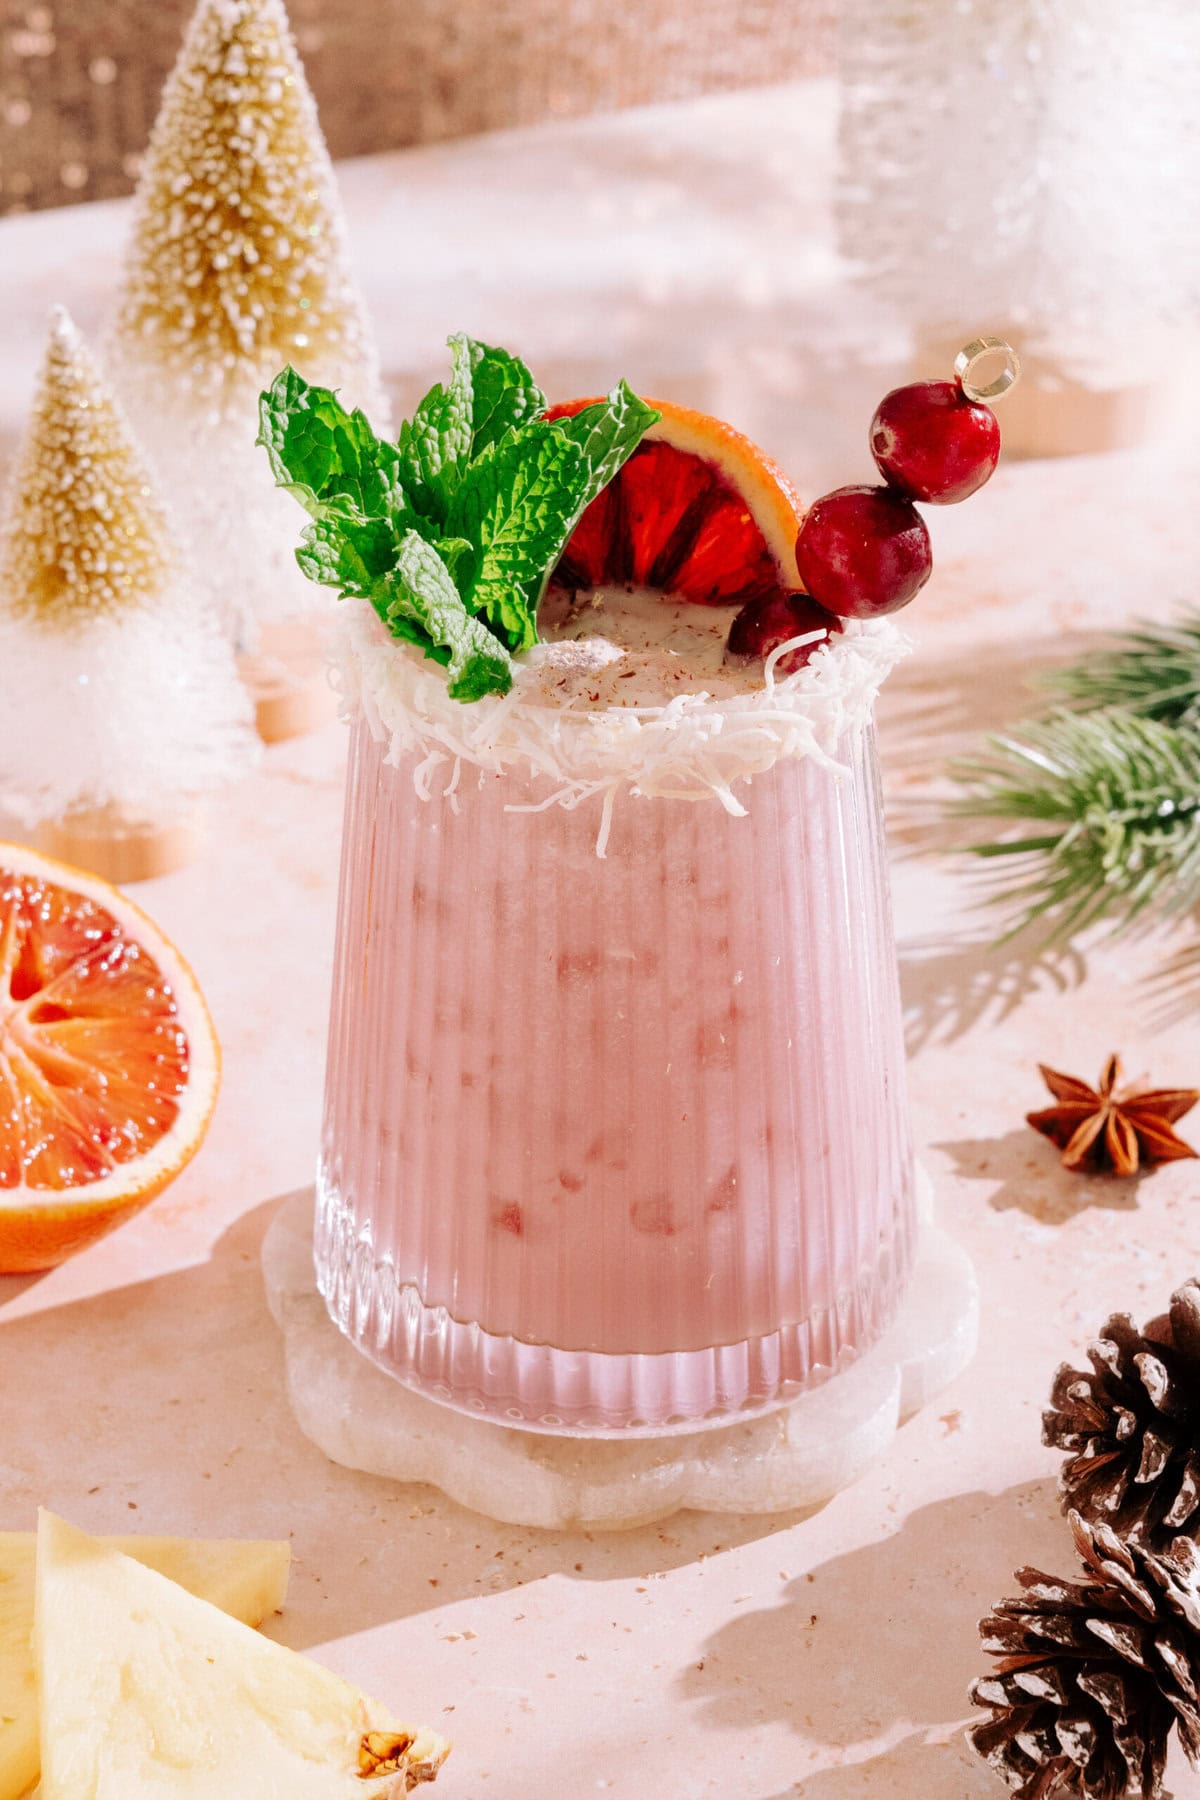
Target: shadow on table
934 710
939 706
1173 988
913 1770
13 1286
952 985
161 1407
1032 1180
885 1635
921 1769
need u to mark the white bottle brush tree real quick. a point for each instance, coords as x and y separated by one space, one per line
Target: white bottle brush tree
118 690
1025 165
238 266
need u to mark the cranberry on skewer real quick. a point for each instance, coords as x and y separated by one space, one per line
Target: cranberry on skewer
863 551
933 444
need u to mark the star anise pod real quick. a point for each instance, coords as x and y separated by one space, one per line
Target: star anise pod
1101 1128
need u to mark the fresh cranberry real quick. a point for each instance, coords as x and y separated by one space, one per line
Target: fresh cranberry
764 624
862 551
934 444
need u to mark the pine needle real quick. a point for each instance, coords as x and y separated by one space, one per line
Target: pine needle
1104 817
1154 672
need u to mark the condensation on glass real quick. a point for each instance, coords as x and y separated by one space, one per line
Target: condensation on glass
614 1145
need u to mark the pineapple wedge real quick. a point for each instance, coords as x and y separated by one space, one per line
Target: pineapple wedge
246 1579
147 1691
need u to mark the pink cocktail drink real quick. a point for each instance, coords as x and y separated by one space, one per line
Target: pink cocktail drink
615 1132
614 1143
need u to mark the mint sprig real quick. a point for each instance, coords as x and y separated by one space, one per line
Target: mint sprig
517 505
453 531
504 395
435 444
424 597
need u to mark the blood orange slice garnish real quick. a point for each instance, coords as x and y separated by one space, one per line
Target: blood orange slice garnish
109 1066
698 511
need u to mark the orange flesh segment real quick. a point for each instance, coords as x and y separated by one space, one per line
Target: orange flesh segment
93 1058
672 520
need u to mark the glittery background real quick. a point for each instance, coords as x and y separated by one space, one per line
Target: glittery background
80 80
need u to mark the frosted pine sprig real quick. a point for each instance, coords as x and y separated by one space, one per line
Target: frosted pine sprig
1103 817
1154 672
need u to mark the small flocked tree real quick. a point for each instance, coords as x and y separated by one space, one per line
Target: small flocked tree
1023 165
237 266
118 690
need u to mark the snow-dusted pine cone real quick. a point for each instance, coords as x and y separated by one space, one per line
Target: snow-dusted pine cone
1131 1426
1092 1674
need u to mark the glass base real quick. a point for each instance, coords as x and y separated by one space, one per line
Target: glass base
791 1457
539 1387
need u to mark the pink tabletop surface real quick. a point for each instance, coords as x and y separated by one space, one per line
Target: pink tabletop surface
823 1656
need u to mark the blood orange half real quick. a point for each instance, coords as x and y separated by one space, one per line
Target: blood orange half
698 511
109 1065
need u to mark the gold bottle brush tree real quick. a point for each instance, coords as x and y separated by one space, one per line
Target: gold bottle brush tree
237 264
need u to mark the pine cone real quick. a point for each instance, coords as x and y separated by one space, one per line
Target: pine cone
1094 1673
1132 1425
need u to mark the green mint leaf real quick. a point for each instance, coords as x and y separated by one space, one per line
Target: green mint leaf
420 593
328 557
436 442
504 395
608 432
517 504
343 550
489 394
321 453
459 557
413 593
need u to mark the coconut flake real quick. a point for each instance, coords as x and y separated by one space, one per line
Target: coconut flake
691 747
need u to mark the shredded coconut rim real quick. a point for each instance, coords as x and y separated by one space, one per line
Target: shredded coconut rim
691 747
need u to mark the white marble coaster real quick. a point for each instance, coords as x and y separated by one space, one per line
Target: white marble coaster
796 1456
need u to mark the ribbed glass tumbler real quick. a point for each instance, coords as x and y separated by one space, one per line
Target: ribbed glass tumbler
614 1145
